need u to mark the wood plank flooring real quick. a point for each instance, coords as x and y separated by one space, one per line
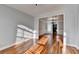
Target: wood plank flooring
41 47
18 48
71 50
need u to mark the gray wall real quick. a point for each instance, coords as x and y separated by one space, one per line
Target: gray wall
71 24
42 26
9 19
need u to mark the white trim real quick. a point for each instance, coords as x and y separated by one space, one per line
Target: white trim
13 44
64 43
73 45
6 47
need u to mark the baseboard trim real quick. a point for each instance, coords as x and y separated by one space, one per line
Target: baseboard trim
3 48
73 46
6 47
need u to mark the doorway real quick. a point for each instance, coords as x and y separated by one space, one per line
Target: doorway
53 28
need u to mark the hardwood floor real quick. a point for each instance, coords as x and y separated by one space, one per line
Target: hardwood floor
10 50
41 47
57 45
71 50
17 48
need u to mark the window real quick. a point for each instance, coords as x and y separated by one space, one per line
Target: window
23 33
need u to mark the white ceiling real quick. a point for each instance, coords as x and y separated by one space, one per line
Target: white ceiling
34 10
